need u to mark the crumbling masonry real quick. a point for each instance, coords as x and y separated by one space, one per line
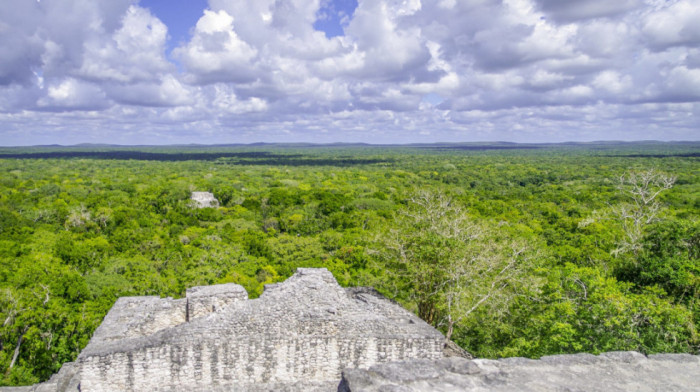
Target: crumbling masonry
302 334
299 335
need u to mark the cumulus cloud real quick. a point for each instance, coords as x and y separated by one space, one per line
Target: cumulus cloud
216 53
684 84
613 82
675 25
72 53
65 27
575 10
404 70
133 53
20 46
385 49
166 92
226 102
72 94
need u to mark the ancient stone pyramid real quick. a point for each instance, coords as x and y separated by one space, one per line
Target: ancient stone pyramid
299 335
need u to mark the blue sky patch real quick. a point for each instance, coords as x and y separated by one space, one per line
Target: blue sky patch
179 15
333 16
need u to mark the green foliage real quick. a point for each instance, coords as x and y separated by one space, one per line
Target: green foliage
669 261
78 231
582 310
450 264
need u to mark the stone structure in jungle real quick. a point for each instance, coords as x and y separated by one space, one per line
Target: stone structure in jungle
204 200
299 335
309 334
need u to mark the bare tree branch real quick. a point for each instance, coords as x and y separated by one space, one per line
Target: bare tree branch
15 355
643 190
453 265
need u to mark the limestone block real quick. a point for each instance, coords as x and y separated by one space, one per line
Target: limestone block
304 330
203 300
618 371
204 200
140 316
301 333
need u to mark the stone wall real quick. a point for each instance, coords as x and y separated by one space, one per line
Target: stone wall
300 333
299 336
133 317
191 365
615 371
208 299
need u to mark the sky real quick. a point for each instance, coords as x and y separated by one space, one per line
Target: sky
324 71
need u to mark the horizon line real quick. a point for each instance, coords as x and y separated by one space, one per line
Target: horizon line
332 144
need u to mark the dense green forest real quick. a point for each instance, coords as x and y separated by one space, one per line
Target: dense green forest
510 250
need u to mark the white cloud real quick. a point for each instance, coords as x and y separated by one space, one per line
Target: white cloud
66 26
385 49
574 10
676 24
684 84
216 53
166 92
613 82
406 70
542 79
133 53
72 94
225 100
20 47
606 39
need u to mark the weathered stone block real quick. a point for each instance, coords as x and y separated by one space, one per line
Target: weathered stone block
618 371
203 300
299 334
132 317
204 200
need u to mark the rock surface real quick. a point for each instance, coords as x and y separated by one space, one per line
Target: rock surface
615 371
204 200
299 335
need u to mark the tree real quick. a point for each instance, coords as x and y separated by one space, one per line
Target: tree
449 264
490 274
642 189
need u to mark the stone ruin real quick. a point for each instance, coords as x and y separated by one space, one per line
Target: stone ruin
310 334
204 200
609 372
298 336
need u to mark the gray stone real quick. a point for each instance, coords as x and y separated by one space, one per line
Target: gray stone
207 299
451 349
301 333
204 200
616 371
298 335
